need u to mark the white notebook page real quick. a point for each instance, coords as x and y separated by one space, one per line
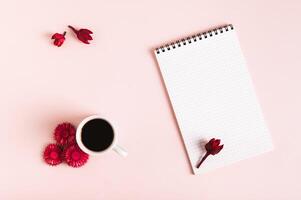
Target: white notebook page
212 95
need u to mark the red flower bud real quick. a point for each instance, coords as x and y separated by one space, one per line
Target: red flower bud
82 34
212 147
58 39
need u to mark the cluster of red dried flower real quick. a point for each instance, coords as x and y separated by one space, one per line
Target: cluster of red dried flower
65 148
83 35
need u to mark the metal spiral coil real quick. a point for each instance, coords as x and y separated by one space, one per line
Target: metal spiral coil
193 38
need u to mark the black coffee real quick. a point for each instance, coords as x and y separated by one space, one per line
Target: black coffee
97 135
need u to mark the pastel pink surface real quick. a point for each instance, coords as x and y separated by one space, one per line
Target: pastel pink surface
116 76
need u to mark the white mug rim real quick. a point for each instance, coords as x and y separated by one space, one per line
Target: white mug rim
79 131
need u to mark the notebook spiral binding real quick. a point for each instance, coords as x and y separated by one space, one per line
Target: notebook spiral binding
193 38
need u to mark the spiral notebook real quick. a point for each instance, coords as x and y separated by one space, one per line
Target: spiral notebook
212 96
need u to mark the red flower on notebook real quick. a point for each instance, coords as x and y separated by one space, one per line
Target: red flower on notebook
213 147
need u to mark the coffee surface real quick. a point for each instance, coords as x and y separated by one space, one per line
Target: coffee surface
97 135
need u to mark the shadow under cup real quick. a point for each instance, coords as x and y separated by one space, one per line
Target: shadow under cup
97 135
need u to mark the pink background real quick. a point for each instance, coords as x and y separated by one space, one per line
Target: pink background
117 77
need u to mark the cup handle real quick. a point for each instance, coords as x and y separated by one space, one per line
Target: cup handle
121 151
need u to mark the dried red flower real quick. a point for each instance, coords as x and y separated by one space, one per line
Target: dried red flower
53 154
83 35
213 147
74 156
58 39
64 134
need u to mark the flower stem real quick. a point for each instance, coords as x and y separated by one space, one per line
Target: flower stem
64 33
73 29
203 159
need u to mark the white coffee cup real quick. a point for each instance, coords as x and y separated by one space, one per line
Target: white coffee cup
112 146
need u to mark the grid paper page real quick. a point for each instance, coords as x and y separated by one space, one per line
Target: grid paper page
212 96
